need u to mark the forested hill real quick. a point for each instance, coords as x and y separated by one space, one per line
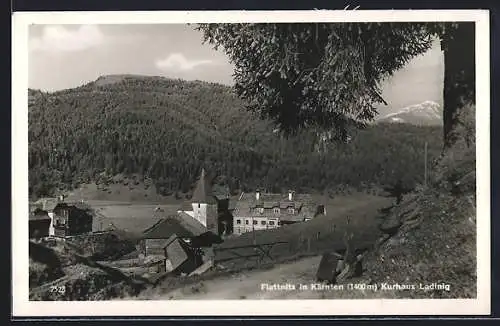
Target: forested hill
167 130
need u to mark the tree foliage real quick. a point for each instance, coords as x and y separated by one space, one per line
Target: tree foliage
323 76
327 75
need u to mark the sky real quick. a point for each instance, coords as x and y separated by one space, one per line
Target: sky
66 56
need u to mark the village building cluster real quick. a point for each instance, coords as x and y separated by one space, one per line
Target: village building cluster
183 240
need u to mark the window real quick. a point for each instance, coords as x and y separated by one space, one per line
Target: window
247 222
291 210
263 222
261 210
238 221
255 222
276 210
199 205
271 222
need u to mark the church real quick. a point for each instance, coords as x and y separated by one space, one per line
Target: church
208 209
200 222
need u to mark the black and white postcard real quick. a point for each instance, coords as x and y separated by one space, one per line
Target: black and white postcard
264 163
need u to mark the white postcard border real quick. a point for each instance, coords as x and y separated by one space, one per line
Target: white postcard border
23 307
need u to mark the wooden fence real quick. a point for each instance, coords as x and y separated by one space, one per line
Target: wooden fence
245 255
276 246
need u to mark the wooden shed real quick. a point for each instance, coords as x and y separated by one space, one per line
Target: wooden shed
155 239
183 258
39 224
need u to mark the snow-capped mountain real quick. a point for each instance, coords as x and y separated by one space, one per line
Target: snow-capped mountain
425 113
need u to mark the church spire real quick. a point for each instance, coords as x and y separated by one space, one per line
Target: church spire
203 191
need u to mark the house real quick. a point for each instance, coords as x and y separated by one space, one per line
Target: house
39 223
261 211
71 219
184 226
48 205
211 211
183 258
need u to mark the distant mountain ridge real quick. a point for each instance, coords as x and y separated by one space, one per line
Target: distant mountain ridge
427 113
166 130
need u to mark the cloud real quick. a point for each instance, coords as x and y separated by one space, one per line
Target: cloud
57 38
177 61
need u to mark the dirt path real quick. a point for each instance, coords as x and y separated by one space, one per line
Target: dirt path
250 285
247 285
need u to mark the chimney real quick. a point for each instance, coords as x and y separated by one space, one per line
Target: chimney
290 195
61 197
257 194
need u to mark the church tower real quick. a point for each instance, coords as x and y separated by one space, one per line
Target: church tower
205 204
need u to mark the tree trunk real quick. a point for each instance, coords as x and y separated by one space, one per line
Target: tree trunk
458 44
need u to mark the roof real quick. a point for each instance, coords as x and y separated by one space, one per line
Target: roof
39 215
182 224
34 206
170 240
191 224
303 203
77 204
48 204
176 251
203 191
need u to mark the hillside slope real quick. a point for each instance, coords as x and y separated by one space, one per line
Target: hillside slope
67 270
436 232
165 130
428 241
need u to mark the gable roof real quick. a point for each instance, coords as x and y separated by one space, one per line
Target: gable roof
176 250
47 204
302 203
35 206
38 214
182 224
203 191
